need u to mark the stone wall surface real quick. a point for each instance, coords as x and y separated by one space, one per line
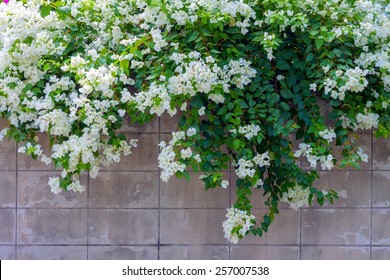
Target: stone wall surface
128 213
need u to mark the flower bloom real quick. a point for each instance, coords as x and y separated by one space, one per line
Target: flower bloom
237 224
297 197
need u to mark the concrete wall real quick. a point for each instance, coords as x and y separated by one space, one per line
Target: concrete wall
128 213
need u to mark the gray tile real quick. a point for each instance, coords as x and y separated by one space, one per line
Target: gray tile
194 252
7 188
123 227
7 229
122 253
381 253
195 226
124 190
335 253
180 193
381 154
129 127
284 229
52 226
143 157
168 123
8 155
7 253
336 226
51 252
257 199
245 252
26 162
381 227
34 191
381 189
353 187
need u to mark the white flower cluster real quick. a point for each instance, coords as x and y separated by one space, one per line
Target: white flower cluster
362 155
249 131
297 197
167 157
156 98
3 133
306 150
328 134
187 11
193 75
57 121
83 149
364 120
246 168
224 184
352 80
238 221
30 148
167 162
238 72
367 121
75 185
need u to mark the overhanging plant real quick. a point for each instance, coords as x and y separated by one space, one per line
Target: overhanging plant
246 76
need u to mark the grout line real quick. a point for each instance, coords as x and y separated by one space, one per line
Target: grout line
190 208
197 244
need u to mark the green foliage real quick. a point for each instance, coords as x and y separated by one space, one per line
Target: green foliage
264 87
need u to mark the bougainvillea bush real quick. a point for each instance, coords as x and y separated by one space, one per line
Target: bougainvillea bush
247 78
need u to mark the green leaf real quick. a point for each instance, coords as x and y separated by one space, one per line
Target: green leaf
64 10
321 200
282 65
267 220
138 54
309 57
187 176
236 144
222 111
45 10
46 67
319 42
125 66
264 227
322 149
68 48
334 115
273 98
286 93
285 106
241 103
291 80
193 36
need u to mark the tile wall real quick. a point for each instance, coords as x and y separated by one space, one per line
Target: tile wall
128 213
